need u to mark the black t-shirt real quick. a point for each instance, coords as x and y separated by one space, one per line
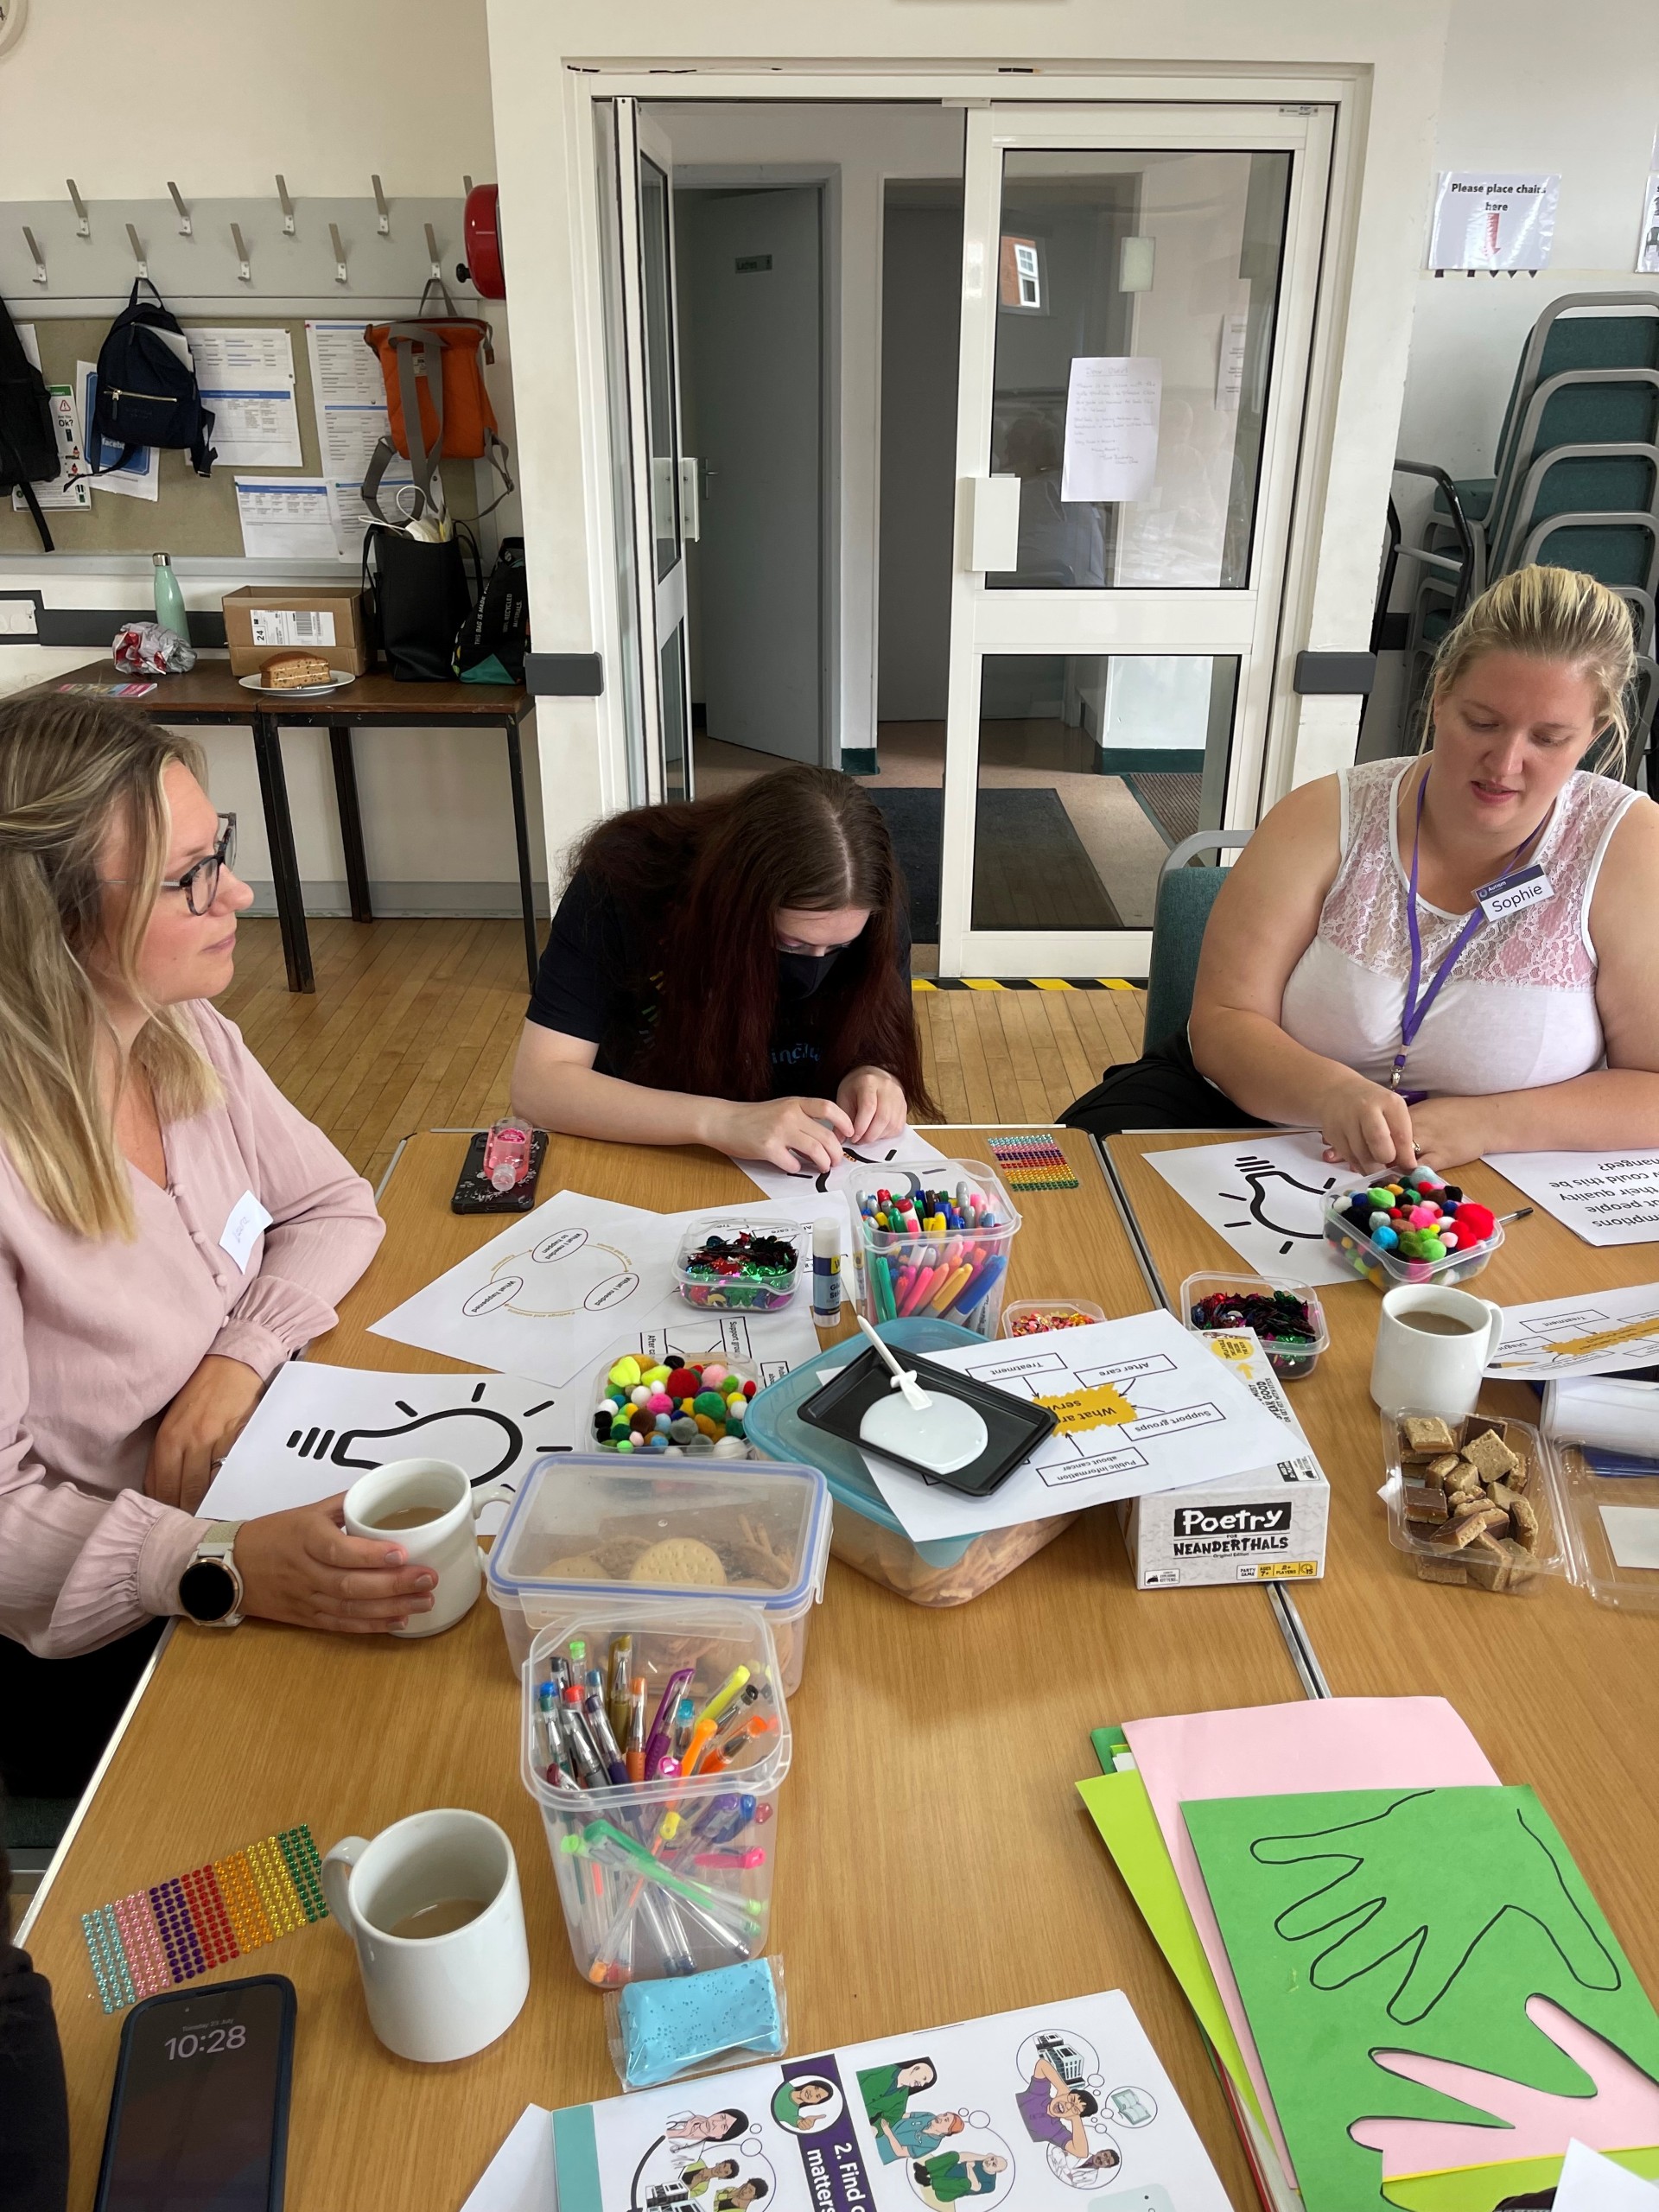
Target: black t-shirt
595 981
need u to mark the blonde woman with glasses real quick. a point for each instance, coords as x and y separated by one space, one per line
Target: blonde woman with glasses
171 1230
1446 956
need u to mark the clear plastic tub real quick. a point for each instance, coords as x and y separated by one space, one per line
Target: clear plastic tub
582 1527
1032 1317
671 1875
1384 1268
958 1275
1290 1357
712 1292
1543 1493
719 1438
947 1571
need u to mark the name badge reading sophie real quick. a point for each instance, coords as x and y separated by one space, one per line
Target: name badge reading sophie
1513 894
247 1218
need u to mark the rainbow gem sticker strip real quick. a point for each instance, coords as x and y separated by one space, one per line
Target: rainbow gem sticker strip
177 1929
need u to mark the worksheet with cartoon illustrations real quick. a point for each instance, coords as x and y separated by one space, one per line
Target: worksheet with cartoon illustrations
1030 2109
582 1277
1143 1405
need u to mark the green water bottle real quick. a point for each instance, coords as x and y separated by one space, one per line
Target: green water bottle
169 600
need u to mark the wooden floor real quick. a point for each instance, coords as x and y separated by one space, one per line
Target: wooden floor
414 1025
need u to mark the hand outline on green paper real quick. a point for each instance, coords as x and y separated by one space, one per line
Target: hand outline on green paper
1506 1869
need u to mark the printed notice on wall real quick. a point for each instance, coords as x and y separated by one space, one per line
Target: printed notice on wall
349 391
1647 250
247 377
286 518
1485 221
1112 426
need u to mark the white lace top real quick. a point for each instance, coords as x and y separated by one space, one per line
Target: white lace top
1519 1008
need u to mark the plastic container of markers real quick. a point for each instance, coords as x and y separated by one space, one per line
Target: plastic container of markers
958 1272
671 1875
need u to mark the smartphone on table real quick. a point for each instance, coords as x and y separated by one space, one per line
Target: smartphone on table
198 2113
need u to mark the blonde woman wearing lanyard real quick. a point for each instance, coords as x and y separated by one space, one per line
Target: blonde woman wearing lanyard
1365 973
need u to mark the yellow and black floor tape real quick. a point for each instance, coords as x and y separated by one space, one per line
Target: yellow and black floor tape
1022 983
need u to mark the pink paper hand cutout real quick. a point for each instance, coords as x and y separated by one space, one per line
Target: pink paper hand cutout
1621 2113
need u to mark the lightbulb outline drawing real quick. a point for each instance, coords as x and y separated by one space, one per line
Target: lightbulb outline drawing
1256 1171
337 1447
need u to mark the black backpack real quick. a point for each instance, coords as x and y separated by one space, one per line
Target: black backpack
491 645
28 440
146 395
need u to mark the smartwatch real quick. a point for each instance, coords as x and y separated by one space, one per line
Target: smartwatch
210 1589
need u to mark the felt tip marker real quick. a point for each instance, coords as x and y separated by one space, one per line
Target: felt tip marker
635 1754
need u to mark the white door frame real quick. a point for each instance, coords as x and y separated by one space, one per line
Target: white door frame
1296 744
1244 623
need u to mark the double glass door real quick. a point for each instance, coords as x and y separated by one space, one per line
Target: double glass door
1137 294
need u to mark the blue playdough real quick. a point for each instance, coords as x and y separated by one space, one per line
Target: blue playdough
668 2027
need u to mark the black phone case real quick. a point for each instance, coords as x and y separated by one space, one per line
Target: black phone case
474 1195
285 2087
1012 1427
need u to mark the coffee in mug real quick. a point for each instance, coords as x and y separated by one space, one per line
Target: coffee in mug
1434 1346
1430 1322
426 1504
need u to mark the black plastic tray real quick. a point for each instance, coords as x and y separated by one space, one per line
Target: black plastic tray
1013 1428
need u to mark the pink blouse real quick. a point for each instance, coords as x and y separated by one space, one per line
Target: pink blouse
98 1335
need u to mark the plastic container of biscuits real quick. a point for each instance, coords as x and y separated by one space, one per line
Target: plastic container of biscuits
585 1526
1476 1503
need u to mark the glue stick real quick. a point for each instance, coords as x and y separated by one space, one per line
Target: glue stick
826 1274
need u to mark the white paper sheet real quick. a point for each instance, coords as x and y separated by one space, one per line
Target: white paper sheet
1266 1196
1165 1412
1600 1332
286 518
1605 1198
348 393
1112 426
318 1428
1632 1535
1589 2182
1493 220
28 340
1606 1411
581 1277
246 375
520 2178
140 477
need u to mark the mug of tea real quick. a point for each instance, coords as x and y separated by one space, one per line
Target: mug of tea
425 1505
434 1908
1433 1347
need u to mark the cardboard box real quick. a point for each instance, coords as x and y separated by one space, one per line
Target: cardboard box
261 620
1267 1525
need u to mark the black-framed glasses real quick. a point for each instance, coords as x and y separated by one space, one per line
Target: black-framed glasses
200 883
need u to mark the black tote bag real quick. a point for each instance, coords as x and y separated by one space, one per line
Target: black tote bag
420 596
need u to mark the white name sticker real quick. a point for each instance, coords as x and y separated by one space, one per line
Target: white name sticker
1513 894
247 1220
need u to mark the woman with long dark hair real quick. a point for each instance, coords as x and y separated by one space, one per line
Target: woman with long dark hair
733 972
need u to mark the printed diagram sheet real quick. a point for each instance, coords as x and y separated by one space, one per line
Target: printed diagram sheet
1602 1332
1266 1196
318 1428
579 1277
1143 1405
1038 2107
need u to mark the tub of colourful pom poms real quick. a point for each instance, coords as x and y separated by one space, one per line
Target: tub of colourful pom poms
1412 1228
680 1408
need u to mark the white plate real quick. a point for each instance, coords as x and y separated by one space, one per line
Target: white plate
257 683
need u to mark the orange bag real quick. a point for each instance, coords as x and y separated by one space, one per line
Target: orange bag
437 405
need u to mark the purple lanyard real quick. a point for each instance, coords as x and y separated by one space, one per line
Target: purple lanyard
1414 1011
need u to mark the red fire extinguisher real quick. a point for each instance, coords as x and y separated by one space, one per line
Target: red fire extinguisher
484 267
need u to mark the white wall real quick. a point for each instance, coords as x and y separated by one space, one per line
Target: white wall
1532 89
327 95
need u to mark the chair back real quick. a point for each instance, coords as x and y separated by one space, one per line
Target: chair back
1185 894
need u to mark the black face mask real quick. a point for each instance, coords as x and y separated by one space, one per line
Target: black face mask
799 974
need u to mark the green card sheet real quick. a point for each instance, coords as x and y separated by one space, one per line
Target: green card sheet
1437 1998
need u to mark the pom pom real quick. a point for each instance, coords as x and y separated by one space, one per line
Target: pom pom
709 1426
1477 1220
1422 1215
1378 1220
625 1373
699 1446
681 1383
1433 1248
713 1377
1451 1196
659 1402
638 1395
731 1447
1449 1239
709 1402
1379 1197
749 1388
1386 1238
624 1444
660 1423
655 1375
683 1429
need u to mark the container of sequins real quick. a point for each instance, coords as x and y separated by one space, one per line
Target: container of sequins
734 1263
1286 1317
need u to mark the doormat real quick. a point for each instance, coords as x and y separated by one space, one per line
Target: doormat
1169 803
1032 871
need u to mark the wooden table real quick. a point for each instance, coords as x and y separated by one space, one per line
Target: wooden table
934 1860
210 694
1562 1692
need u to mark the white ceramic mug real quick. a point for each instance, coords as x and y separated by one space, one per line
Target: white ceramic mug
1413 1371
446 1543
446 1995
